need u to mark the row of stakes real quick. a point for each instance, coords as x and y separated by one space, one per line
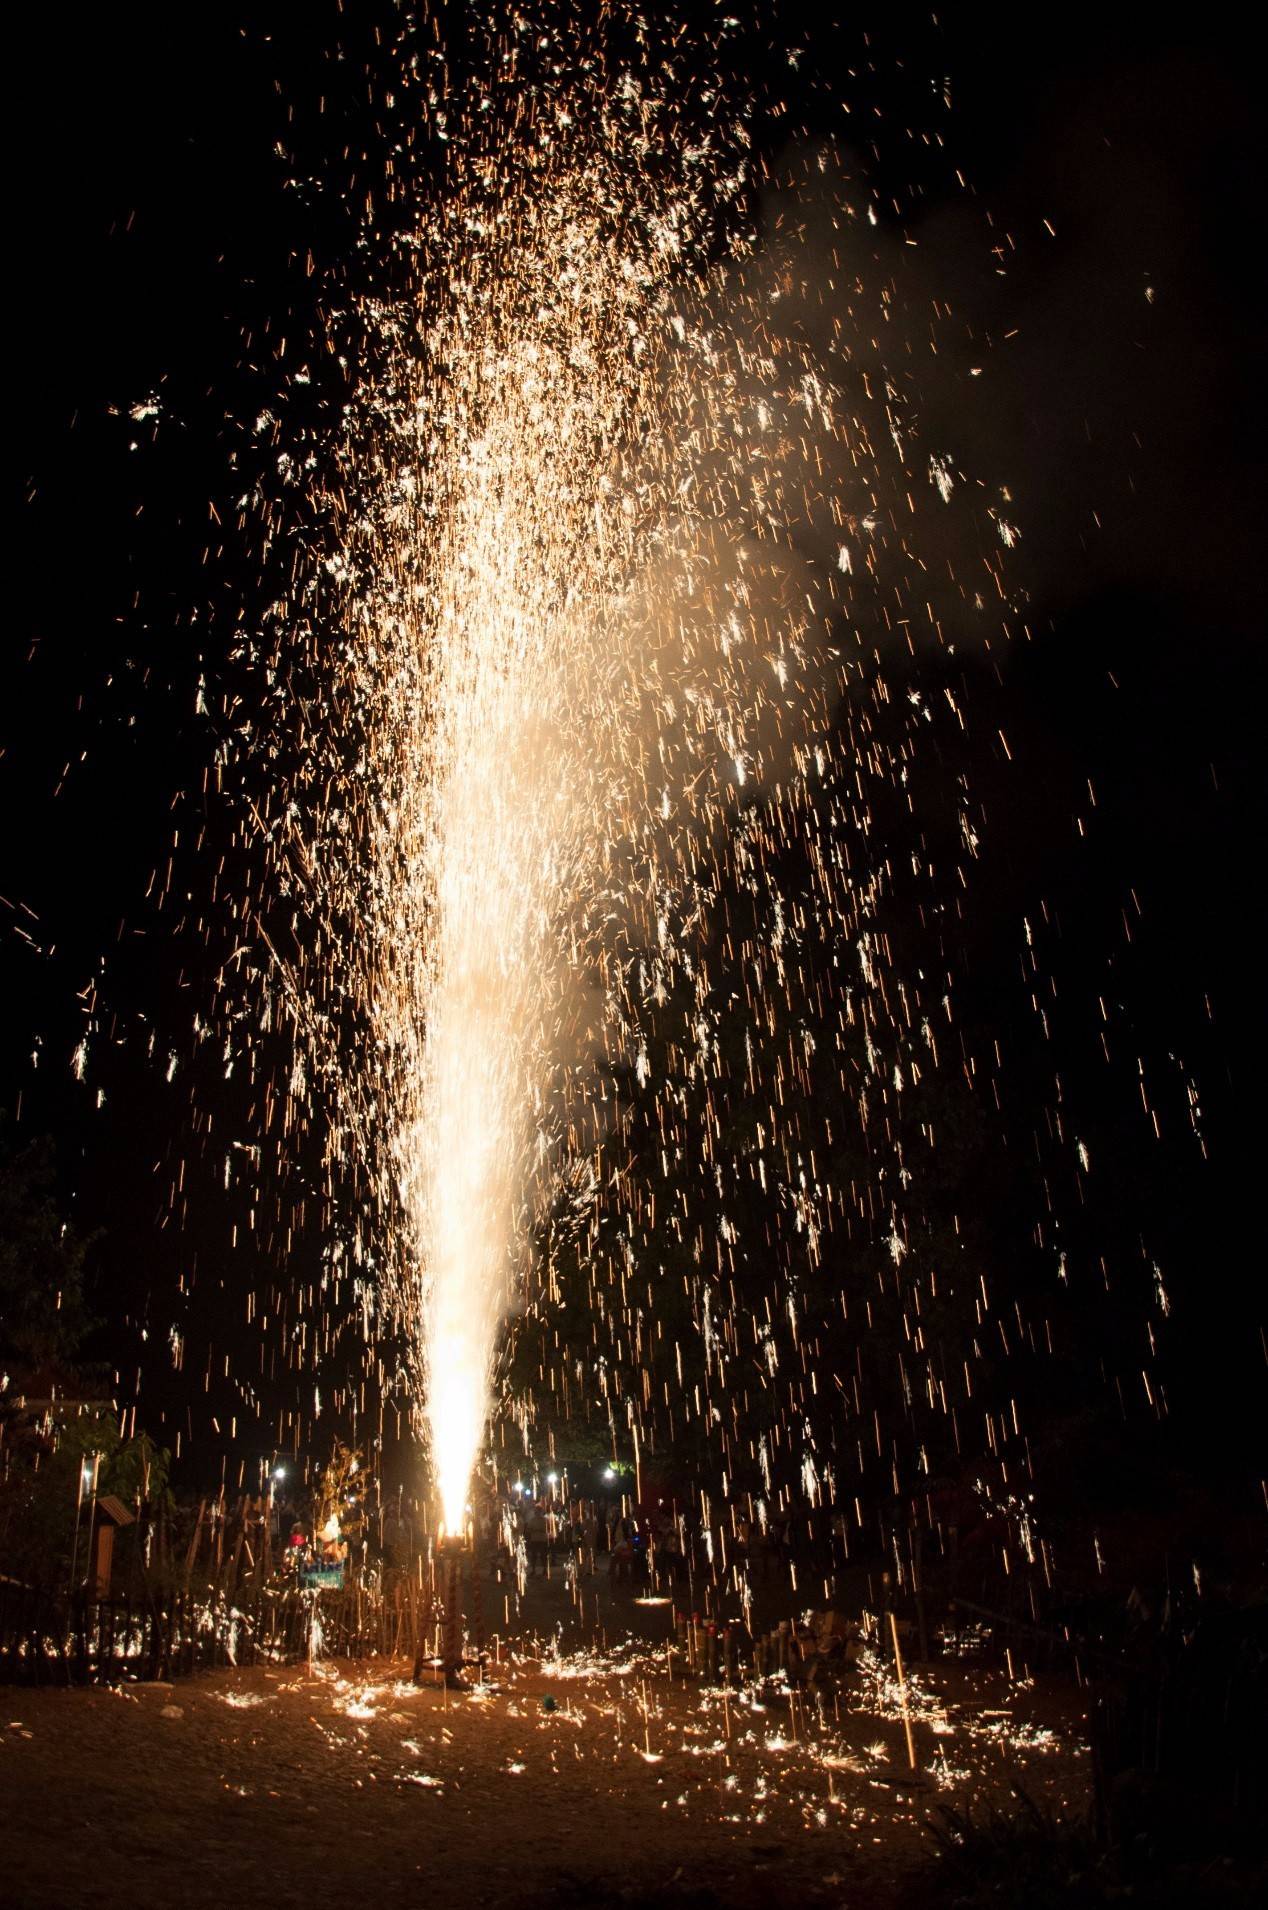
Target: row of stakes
711 1651
718 1652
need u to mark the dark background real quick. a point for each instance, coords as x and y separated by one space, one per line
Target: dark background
157 248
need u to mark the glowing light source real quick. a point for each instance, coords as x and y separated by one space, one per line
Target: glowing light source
456 1409
584 613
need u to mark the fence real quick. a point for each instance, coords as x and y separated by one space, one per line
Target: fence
1181 1728
50 1639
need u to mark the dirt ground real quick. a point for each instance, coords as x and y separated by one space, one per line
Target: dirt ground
596 1777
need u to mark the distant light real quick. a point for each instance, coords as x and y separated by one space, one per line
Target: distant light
552 1478
609 1472
518 1486
279 1472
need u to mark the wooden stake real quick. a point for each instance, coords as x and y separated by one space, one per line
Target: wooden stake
902 1690
193 1543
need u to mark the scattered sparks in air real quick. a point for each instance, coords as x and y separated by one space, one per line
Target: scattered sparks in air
602 856
583 652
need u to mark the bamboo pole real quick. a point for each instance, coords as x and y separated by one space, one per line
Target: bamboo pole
902 1690
192 1553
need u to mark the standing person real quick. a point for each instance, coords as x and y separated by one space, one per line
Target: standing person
621 1565
669 1561
537 1532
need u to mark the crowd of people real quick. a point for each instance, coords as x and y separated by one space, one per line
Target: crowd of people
656 1548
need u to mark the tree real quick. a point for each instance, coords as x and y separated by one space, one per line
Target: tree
50 1443
43 1313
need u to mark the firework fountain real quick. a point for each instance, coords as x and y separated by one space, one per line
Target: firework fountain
593 935
621 518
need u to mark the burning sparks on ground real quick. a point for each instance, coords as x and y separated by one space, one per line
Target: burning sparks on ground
615 1761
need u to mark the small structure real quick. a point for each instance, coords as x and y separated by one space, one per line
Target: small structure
324 1568
456 1553
110 1514
321 1575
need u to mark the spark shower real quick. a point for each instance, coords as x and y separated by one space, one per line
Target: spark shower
628 511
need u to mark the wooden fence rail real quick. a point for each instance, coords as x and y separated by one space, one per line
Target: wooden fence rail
50 1639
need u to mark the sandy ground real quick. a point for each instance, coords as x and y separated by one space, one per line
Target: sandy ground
594 1778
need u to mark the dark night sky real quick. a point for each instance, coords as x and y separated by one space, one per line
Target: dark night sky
153 229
